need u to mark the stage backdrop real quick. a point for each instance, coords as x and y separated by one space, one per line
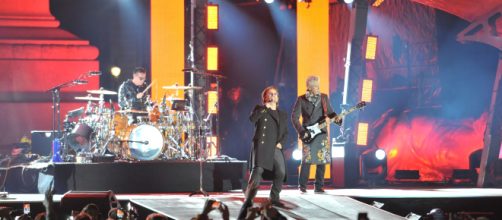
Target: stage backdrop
430 92
36 55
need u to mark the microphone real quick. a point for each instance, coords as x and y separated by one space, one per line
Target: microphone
94 73
80 82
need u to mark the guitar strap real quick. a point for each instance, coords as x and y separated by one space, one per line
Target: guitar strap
324 108
325 112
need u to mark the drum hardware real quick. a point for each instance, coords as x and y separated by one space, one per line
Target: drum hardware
75 113
176 87
132 111
56 101
80 137
201 134
88 98
177 148
133 141
102 91
163 131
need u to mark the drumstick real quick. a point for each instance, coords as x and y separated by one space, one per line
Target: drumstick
148 87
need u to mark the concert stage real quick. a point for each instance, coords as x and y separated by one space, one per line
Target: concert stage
129 177
334 204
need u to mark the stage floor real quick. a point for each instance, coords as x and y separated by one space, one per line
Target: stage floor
334 204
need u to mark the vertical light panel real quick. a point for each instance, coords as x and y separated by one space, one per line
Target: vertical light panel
212 17
362 134
371 47
313 43
212 58
313 47
367 90
212 102
167 45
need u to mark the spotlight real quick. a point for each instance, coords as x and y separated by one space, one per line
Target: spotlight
373 166
348 1
373 158
269 1
380 154
297 154
115 71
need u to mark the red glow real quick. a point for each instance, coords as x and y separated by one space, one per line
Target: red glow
235 95
35 55
431 145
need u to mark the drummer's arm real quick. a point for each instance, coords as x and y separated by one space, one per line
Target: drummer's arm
123 99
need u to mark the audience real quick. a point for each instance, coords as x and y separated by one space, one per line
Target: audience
92 210
83 216
156 216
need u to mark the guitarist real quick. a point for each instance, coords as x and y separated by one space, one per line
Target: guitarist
313 106
266 159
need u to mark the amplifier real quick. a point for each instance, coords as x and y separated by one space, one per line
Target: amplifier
41 142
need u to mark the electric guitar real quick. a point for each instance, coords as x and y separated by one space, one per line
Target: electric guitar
311 131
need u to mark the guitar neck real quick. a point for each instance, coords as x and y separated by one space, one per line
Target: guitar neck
341 115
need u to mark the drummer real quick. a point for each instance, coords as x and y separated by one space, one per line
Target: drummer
131 92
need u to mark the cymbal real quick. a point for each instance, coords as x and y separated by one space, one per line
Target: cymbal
88 98
102 92
175 87
132 111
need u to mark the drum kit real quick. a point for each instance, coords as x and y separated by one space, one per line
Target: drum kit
163 131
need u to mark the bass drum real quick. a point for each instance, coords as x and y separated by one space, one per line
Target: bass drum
145 142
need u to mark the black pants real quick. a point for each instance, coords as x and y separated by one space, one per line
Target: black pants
256 177
305 172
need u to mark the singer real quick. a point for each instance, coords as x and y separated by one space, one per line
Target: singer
131 95
266 159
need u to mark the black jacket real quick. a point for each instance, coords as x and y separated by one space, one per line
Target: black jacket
310 113
270 129
127 96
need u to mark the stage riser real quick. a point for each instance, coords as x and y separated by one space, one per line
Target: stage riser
149 177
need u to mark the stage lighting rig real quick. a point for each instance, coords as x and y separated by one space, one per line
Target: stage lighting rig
373 166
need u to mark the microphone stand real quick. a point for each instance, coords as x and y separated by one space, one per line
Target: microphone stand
56 104
56 108
202 133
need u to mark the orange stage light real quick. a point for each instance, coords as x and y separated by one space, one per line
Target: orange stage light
212 58
212 102
367 90
371 47
212 17
362 134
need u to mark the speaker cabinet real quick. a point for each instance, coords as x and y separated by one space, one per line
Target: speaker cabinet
77 200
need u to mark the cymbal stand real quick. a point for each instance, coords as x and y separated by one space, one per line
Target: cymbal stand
201 190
